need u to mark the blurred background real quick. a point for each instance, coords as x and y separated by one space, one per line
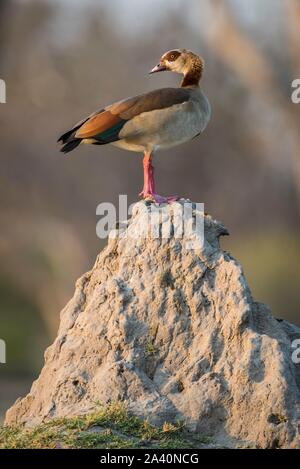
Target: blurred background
61 60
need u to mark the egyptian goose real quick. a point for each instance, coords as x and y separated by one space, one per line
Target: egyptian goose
159 119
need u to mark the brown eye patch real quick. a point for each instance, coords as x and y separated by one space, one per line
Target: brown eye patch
172 55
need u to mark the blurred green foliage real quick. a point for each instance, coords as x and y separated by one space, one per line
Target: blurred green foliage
271 264
24 332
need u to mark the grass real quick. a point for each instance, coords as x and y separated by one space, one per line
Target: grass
109 427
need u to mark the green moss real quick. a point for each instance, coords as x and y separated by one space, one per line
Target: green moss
109 427
150 348
276 419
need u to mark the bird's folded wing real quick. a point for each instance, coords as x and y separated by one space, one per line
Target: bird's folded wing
105 125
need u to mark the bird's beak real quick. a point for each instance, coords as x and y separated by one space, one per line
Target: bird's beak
158 68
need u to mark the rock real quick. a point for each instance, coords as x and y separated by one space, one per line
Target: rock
173 331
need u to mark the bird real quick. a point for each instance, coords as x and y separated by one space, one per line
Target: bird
159 119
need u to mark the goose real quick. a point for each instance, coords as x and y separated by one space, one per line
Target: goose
156 120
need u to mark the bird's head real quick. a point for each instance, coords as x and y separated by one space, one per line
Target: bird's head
179 61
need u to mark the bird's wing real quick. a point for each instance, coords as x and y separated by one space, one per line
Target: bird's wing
105 125
70 133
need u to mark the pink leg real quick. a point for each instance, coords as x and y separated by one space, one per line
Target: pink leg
148 191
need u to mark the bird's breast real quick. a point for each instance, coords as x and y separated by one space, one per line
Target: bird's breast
165 128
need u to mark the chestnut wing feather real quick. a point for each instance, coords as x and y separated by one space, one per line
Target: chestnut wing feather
107 124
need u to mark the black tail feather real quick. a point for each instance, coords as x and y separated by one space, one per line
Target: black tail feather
70 133
69 146
63 138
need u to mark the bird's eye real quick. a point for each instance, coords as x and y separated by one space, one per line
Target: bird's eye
172 56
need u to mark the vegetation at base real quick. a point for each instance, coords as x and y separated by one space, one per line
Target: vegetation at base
109 427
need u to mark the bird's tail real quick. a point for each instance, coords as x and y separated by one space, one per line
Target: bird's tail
69 140
69 146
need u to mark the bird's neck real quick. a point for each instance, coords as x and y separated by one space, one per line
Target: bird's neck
193 73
